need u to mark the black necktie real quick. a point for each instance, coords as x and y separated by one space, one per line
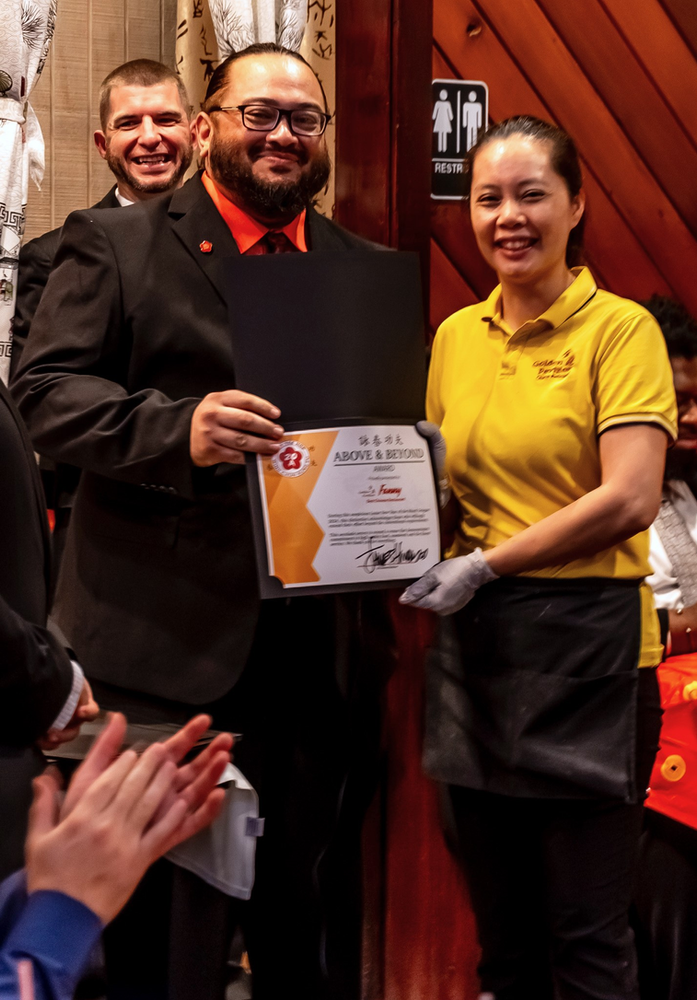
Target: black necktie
272 242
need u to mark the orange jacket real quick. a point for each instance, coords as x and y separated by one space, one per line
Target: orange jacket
673 788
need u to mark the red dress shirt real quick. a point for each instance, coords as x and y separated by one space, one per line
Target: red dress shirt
245 230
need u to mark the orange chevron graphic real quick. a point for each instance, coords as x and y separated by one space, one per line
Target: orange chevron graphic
295 535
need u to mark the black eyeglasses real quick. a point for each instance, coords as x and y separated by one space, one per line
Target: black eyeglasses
265 118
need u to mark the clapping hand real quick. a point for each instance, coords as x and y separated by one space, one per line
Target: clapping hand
120 814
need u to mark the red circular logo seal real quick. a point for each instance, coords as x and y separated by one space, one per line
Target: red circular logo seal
292 460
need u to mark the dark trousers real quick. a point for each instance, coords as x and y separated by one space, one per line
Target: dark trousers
551 883
310 726
666 909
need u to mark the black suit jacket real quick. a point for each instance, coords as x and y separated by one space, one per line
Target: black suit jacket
35 262
158 588
35 672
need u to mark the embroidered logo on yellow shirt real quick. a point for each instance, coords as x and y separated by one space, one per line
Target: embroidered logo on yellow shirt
557 368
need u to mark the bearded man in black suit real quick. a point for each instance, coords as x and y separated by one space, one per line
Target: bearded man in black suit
129 374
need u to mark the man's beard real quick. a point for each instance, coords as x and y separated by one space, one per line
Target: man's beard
158 185
268 199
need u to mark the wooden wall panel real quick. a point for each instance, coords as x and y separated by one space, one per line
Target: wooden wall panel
628 269
684 15
642 206
576 105
92 38
632 98
452 231
664 51
449 290
363 125
411 146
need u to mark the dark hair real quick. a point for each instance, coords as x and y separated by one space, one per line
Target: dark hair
138 73
678 326
564 159
219 79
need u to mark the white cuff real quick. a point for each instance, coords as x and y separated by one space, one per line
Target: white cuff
68 710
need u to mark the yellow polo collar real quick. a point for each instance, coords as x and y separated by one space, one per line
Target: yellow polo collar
577 295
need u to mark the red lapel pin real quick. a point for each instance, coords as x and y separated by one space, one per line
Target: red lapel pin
205 246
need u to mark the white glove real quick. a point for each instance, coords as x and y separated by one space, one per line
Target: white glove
451 584
436 446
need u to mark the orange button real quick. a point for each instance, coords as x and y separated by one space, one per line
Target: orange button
673 768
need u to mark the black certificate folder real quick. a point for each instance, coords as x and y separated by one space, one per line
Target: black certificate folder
334 340
329 336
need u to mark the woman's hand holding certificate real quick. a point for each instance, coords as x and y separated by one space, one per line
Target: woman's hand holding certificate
451 584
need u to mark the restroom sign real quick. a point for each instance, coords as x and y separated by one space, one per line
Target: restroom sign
460 114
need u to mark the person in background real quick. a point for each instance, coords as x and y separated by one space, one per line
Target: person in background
666 892
87 850
556 403
146 140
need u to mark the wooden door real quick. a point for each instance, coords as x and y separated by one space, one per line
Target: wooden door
420 941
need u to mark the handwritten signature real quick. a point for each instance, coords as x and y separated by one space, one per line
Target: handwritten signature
379 557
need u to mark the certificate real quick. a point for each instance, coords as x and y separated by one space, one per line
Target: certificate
339 349
348 508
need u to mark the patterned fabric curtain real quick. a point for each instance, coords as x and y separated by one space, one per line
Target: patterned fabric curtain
319 48
26 30
196 53
239 23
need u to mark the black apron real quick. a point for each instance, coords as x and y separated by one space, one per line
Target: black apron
532 689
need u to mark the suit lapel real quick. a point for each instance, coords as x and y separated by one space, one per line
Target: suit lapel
196 221
322 234
109 200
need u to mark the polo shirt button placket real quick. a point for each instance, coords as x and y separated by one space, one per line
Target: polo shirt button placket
509 361
513 351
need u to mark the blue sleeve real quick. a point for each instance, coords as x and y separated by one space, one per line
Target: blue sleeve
13 899
50 932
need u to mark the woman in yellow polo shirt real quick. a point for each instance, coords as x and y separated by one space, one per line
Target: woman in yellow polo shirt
556 403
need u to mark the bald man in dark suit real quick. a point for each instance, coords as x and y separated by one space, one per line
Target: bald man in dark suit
133 379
